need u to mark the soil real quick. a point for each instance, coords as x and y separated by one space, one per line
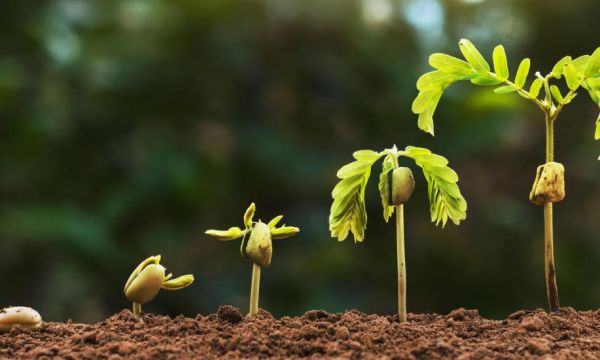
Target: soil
462 334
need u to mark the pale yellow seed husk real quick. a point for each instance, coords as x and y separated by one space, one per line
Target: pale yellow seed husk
23 316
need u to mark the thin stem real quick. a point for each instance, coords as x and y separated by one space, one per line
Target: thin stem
550 269
254 290
137 312
551 288
401 263
549 138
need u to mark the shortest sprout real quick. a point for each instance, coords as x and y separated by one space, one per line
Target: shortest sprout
549 184
23 316
146 281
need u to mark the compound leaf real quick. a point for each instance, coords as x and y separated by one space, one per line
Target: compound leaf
348 213
446 201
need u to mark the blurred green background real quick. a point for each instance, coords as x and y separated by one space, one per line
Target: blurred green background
128 127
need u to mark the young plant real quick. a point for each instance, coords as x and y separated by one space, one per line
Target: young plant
146 281
581 72
256 246
396 184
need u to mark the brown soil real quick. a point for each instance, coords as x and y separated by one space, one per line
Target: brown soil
462 334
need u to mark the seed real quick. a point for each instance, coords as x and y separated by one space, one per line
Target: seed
146 285
402 184
549 184
19 315
259 248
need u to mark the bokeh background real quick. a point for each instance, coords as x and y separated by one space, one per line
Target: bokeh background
129 127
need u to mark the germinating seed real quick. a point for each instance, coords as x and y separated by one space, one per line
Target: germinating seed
19 315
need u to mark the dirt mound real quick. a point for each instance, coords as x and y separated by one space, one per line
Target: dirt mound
462 334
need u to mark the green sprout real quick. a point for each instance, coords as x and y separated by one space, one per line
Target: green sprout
146 281
581 72
396 184
256 246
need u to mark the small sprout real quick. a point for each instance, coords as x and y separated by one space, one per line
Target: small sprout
396 185
549 184
257 247
23 316
146 281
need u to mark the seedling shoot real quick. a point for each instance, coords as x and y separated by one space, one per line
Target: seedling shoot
256 246
146 281
579 73
396 185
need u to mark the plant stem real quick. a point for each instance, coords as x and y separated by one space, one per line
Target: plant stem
254 290
550 269
137 312
401 263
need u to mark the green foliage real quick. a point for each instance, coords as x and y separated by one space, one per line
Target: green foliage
250 225
583 71
348 212
445 199
389 162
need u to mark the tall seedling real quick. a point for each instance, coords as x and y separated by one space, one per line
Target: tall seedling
396 184
581 72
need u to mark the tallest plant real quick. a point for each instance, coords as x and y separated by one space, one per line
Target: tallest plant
581 72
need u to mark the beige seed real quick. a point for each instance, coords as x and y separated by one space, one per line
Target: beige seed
19 315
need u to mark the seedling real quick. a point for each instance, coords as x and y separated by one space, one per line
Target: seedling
582 72
256 246
22 316
396 184
146 281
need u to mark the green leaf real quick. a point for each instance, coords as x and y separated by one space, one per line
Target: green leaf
571 76
445 199
226 235
580 64
556 94
522 72
366 155
178 283
557 70
423 100
486 80
249 215
473 56
425 121
505 89
500 63
352 169
593 88
387 165
435 80
593 65
535 88
348 213
449 64
597 134
284 231
274 221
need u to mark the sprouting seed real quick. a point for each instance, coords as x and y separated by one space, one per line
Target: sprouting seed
23 316
146 281
256 246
